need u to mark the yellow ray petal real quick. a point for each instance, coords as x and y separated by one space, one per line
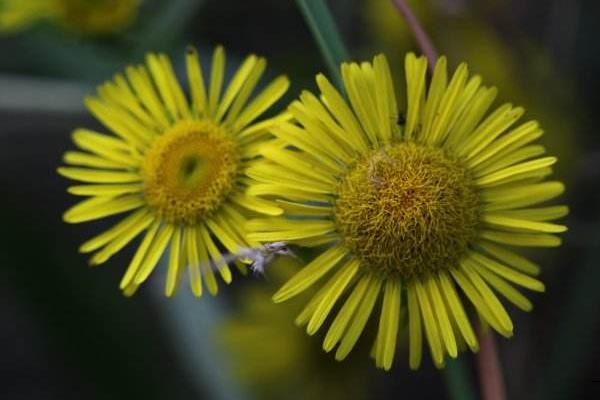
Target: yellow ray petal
360 319
339 324
310 273
337 285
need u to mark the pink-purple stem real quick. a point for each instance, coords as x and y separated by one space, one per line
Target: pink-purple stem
488 364
421 36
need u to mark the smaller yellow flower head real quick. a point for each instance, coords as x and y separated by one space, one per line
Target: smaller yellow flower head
93 17
175 165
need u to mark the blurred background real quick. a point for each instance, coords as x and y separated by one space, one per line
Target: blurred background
66 331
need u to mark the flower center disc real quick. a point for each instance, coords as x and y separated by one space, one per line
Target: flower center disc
189 171
407 210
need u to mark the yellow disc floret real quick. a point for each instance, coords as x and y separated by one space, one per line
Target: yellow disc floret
407 210
189 171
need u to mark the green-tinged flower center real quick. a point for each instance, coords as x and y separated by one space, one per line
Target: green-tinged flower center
407 210
189 171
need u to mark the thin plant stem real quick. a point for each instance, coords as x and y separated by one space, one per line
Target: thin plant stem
421 36
488 364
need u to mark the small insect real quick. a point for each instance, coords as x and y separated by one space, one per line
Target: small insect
259 256
401 118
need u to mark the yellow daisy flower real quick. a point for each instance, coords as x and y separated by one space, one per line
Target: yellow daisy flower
85 16
178 167
271 355
417 212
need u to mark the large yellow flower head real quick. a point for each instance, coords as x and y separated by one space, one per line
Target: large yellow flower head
176 166
416 214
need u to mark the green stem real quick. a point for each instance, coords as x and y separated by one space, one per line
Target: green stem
322 26
458 380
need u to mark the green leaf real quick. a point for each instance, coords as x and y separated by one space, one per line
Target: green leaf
322 26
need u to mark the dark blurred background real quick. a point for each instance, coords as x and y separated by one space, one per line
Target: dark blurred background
67 332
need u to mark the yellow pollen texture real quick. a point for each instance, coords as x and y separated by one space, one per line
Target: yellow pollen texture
407 210
189 171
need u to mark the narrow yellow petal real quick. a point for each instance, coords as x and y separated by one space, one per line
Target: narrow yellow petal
217 72
387 110
196 81
349 141
506 290
177 94
98 176
89 210
390 313
520 135
121 240
449 104
508 158
536 214
262 102
154 254
105 190
175 263
282 191
246 90
206 267
439 310
434 97
473 113
510 258
193 260
360 319
256 204
311 273
528 166
415 338
118 229
522 239
360 99
89 160
470 270
478 301
216 255
490 129
337 285
235 85
297 163
339 324
431 329
140 80
160 79
519 195
337 106
507 273
457 311
139 256
415 84
497 220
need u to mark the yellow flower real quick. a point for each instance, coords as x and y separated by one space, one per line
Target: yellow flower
84 16
269 355
178 167
418 213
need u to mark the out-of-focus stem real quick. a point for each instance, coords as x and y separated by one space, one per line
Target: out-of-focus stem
421 36
488 364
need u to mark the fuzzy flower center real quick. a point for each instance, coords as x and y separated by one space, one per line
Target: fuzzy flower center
189 171
408 210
